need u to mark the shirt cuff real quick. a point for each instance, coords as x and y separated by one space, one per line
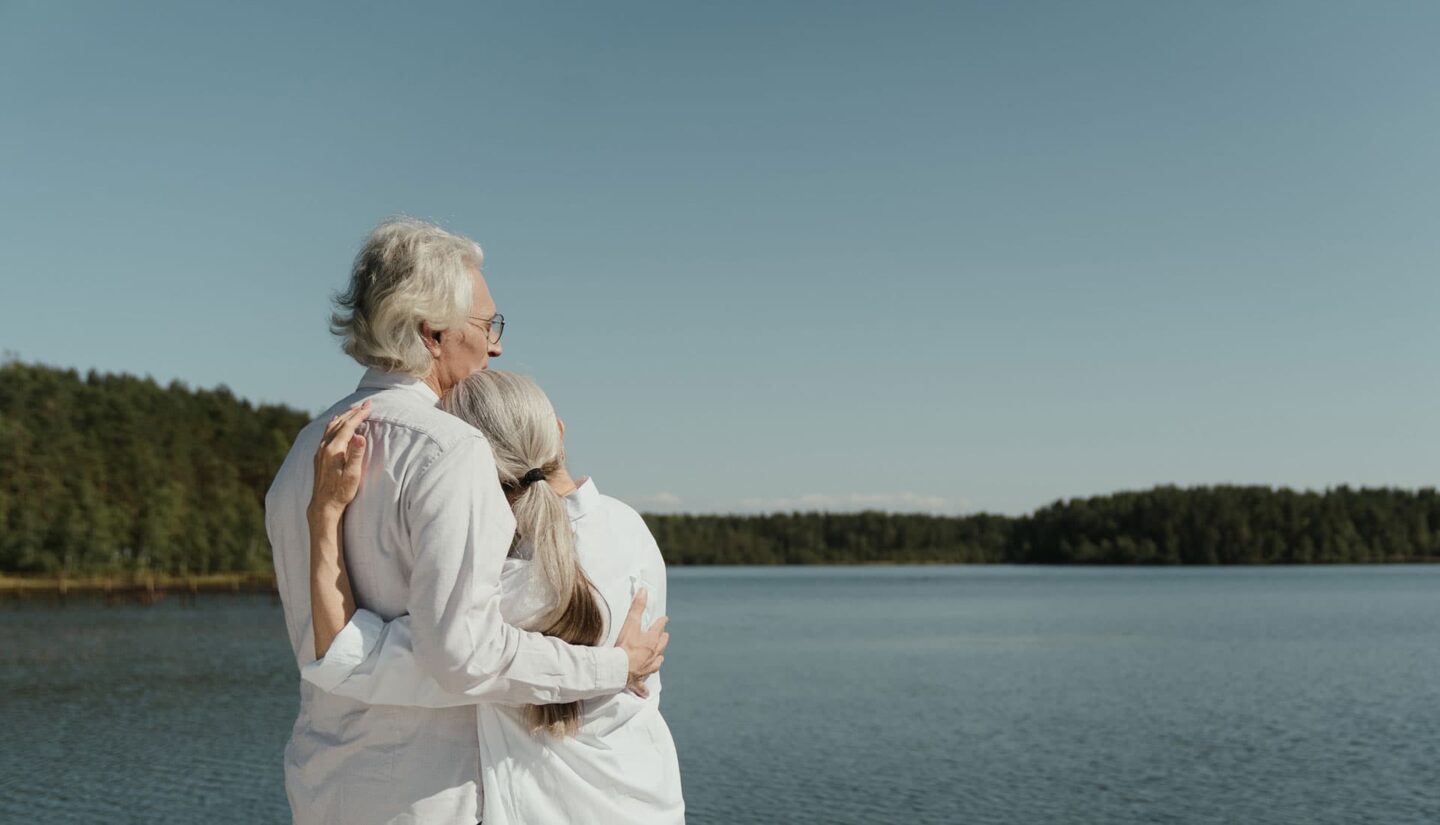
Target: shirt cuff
352 645
612 668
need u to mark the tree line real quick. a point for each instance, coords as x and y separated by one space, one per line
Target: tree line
111 473
1166 525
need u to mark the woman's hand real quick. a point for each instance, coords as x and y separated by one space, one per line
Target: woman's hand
338 463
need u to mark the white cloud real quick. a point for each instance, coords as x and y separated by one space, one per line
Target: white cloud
904 502
662 502
891 502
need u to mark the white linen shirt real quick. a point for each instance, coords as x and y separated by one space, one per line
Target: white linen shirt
425 542
621 768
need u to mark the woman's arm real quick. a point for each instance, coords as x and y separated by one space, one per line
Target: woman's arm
332 603
338 464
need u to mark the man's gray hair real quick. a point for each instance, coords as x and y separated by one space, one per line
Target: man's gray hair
408 272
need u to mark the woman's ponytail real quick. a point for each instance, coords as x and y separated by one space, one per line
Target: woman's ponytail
524 434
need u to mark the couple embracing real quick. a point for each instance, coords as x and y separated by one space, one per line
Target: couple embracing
478 633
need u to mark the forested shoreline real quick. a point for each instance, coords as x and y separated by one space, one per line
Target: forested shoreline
1165 525
106 473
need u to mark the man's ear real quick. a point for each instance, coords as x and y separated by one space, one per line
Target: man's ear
561 422
430 338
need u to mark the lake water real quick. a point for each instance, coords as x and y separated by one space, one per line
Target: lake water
834 695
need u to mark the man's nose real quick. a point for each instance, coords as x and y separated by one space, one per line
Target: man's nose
496 349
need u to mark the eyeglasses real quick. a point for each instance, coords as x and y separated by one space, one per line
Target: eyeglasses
495 323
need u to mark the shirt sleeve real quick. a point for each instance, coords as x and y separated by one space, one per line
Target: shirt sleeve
453 647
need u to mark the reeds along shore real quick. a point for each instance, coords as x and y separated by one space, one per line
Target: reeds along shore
123 588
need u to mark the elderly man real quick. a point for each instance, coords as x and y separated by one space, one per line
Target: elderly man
425 541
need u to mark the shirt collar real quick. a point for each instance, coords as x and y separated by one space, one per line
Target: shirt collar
381 380
582 499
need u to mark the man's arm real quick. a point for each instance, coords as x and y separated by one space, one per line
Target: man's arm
372 660
453 646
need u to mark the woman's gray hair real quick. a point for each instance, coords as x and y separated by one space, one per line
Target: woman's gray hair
408 272
524 434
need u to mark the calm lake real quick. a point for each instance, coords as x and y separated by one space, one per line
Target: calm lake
1000 694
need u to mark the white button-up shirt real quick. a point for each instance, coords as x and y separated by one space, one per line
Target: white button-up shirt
425 543
621 768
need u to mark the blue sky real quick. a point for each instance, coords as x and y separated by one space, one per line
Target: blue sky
944 257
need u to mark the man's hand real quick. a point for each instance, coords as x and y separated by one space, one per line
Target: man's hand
644 646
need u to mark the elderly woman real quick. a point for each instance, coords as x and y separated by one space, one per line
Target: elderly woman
581 559
426 540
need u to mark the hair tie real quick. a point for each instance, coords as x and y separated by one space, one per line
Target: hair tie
533 476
